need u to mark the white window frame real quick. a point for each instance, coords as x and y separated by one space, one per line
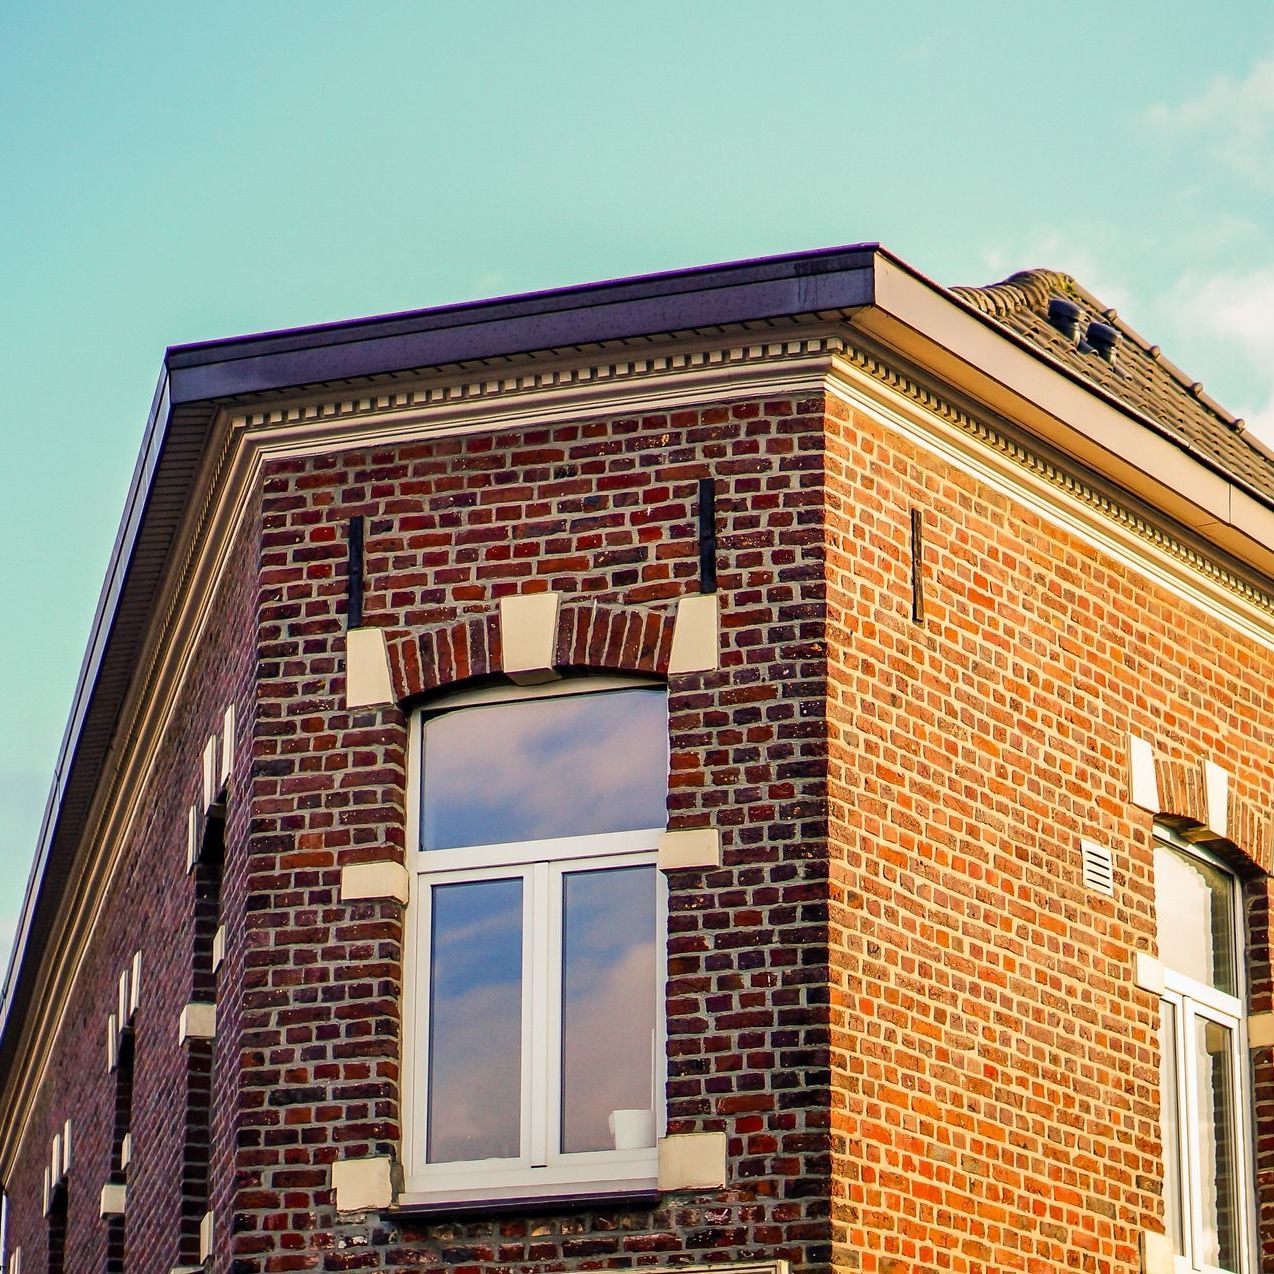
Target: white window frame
541 1172
1192 1000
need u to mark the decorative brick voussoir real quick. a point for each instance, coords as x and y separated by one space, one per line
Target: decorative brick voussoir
1183 794
1181 791
590 636
622 639
1252 831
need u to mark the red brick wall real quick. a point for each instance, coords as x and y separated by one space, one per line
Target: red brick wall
995 1070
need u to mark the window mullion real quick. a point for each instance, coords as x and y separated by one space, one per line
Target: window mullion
555 930
1241 1149
535 1079
1190 1165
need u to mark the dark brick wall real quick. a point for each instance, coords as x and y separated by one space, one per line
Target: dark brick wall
151 908
603 512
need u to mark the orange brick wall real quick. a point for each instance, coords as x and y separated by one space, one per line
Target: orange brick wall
995 1070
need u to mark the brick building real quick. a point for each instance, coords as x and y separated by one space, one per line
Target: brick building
765 767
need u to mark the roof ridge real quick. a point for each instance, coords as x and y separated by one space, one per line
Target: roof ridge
1032 289
1022 290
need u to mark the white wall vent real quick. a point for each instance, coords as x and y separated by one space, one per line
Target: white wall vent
1099 867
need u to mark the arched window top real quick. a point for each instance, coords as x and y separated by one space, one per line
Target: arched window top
546 766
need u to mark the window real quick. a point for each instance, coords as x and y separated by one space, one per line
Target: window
1204 1086
534 1055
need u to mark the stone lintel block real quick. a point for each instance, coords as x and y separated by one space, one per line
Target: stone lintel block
696 634
1143 784
218 948
210 784
1148 973
363 1185
205 1236
690 847
1260 1030
198 1022
112 1200
367 679
1216 787
227 745
385 879
135 985
125 1151
692 1161
194 837
112 1042
528 636
1156 1253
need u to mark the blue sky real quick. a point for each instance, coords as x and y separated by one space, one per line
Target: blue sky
172 172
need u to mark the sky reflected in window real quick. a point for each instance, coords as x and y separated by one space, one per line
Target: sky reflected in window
1194 913
475 1021
608 1009
540 768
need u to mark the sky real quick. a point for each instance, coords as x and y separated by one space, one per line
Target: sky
172 172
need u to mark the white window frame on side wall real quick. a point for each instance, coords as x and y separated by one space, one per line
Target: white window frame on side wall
1192 1001
541 1171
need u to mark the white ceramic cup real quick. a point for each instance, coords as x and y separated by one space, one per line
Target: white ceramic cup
632 1129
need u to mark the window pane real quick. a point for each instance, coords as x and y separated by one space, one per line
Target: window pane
1219 1244
1194 914
475 1021
609 986
542 768
1170 1125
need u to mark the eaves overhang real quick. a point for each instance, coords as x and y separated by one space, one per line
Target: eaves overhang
864 285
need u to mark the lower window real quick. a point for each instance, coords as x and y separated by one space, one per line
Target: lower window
1204 1103
535 1057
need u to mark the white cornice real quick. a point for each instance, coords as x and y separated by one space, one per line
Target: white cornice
990 453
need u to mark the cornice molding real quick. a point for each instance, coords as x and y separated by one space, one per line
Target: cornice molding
1063 478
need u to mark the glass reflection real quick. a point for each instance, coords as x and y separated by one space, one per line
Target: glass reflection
475 1021
609 987
534 769
1217 1186
1194 918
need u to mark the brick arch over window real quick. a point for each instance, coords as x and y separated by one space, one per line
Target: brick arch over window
590 636
1182 794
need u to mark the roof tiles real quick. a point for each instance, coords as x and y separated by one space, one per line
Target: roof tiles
1139 377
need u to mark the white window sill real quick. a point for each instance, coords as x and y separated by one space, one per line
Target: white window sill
507 1198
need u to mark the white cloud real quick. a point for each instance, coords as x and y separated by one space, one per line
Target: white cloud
1234 313
1231 120
1047 247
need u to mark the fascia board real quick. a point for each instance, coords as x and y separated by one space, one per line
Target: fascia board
933 330
831 281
